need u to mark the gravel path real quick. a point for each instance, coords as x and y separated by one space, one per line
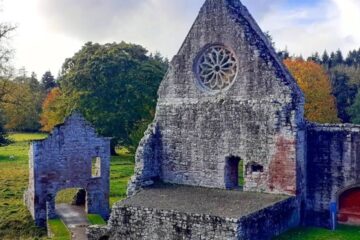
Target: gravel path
75 219
215 202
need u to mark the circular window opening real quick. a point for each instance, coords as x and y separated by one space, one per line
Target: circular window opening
216 68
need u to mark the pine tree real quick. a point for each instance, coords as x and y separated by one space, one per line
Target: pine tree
325 59
48 81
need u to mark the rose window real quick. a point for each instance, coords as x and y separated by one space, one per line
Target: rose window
216 68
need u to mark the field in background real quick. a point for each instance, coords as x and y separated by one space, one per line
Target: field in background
15 220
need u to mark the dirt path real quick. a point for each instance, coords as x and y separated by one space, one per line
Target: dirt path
75 219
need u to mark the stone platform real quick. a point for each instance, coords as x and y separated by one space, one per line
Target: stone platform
197 200
182 212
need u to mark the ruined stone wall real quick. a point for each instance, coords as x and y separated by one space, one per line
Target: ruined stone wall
271 221
143 223
64 160
333 165
258 118
149 224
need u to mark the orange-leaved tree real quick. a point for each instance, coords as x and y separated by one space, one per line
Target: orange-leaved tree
320 104
50 115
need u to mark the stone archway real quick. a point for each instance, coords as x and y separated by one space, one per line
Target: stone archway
349 206
73 156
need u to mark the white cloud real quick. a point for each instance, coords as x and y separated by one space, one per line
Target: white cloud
51 30
328 24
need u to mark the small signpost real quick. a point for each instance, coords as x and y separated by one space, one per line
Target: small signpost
333 213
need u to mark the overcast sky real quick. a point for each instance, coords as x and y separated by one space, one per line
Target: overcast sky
51 30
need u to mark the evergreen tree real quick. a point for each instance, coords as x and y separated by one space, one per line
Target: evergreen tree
354 110
343 90
325 59
48 81
315 58
339 59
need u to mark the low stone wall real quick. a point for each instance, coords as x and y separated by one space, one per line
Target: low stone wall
271 221
148 224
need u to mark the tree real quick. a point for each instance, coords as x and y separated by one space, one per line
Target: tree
315 58
54 109
48 81
114 86
343 90
320 103
21 105
354 110
3 135
5 54
325 59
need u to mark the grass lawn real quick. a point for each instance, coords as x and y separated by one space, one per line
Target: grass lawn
15 220
342 233
95 219
59 230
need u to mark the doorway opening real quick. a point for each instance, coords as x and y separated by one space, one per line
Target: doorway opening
71 200
234 173
349 207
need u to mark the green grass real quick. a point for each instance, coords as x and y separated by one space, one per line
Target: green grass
15 220
59 230
66 195
241 173
95 219
342 233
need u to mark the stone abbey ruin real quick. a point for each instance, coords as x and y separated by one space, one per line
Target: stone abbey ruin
73 156
228 103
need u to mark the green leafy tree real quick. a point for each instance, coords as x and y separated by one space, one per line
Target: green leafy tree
22 104
115 87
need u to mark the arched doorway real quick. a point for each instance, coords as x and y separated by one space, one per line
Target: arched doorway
71 208
349 207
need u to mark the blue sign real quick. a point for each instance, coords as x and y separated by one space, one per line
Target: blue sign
333 212
333 207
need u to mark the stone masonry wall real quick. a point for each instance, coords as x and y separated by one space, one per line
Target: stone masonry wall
271 221
147 224
258 119
64 160
333 165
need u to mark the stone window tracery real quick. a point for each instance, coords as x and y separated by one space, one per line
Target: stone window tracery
216 68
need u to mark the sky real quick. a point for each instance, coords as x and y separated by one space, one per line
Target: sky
49 31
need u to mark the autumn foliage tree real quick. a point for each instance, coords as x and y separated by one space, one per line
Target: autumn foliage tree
312 78
51 110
